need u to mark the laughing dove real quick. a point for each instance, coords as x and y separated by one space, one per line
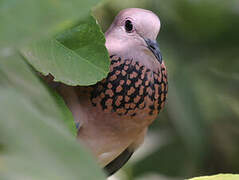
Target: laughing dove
114 114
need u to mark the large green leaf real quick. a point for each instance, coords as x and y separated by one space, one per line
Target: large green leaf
218 177
24 20
35 142
76 57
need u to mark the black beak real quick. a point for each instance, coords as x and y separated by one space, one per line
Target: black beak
154 47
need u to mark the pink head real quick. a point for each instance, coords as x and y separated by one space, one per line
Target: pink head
132 34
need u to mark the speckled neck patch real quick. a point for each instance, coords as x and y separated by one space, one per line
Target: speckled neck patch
130 87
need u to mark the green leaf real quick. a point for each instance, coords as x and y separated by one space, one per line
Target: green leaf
66 113
35 143
21 21
76 57
218 177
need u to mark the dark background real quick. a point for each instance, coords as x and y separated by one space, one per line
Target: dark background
198 131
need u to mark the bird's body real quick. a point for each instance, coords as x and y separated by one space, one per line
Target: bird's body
114 114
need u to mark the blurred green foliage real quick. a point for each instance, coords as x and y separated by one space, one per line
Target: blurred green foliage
200 44
36 141
218 177
26 20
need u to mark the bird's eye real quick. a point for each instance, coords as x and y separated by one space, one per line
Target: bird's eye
128 26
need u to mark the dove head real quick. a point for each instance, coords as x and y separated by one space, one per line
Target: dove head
132 34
